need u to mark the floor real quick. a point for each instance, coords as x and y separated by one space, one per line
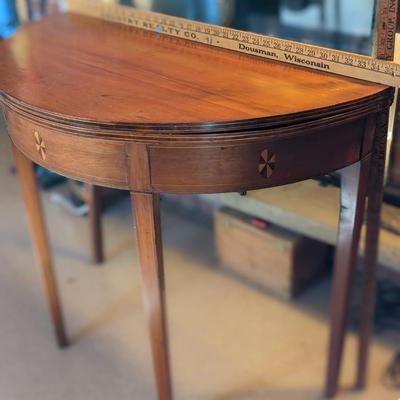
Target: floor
228 341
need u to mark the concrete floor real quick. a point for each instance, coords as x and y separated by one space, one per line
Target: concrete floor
228 341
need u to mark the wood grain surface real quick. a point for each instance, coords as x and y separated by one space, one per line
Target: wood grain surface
148 224
169 115
33 205
116 106
59 67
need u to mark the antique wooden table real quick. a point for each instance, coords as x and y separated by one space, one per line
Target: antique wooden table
124 108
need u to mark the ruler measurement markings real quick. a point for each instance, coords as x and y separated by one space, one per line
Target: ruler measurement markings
294 53
276 45
386 29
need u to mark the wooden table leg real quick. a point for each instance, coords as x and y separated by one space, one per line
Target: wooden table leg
375 196
93 195
33 206
352 202
147 217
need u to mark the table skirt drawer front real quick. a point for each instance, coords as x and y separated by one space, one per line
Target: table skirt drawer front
257 165
82 158
177 167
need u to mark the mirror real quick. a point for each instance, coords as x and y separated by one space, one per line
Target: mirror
339 24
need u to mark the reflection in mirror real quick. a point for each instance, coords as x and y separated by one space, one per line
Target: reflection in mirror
340 24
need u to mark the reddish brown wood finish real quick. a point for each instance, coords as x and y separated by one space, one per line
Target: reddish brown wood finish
142 80
33 206
93 196
352 200
150 164
148 226
119 107
375 195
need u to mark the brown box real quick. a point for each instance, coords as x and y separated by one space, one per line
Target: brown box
266 255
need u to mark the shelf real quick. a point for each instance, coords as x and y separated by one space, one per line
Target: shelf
311 210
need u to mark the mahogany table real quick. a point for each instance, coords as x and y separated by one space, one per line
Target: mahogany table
115 106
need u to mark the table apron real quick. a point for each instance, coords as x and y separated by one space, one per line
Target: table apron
182 166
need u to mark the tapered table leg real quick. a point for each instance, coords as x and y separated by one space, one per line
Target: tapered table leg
375 196
352 202
33 206
93 195
147 216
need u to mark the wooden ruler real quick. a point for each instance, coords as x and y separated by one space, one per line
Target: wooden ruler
295 53
385 29
386 47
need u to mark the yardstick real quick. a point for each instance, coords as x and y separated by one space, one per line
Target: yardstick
296 53
385 31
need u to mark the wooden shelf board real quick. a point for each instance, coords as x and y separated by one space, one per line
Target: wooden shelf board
311 210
